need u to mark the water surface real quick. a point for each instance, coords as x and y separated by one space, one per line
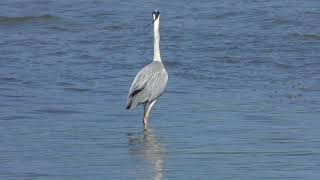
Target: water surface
242 101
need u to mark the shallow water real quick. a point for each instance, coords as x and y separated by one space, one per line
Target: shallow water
242 101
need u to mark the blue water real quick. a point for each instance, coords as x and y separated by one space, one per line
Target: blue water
242 100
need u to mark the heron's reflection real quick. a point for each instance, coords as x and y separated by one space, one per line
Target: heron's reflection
146 146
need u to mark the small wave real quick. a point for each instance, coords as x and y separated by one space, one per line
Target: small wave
72 87
65 84
309 37
282 65
224 15
14 96
76 89
26 19
227 60
9 79
257 61
16 117
312 12
280 21
178 92
58 111
172 63
113 28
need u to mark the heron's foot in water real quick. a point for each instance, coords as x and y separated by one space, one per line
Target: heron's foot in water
145 122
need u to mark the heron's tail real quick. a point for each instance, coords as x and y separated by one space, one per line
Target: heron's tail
129 104
132 103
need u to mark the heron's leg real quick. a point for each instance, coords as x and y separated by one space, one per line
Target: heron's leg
145 117
147 109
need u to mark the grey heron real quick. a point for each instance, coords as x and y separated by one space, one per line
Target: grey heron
151 80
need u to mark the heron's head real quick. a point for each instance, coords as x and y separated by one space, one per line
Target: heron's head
155 15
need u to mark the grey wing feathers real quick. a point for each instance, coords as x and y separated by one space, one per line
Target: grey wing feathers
157 84
148 84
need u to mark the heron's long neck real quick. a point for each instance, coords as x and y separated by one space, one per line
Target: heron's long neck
156 40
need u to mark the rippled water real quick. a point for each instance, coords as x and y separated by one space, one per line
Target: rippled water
242 101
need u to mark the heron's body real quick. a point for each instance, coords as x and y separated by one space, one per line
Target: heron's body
151 80
148 84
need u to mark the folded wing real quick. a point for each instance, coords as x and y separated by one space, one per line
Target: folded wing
148 85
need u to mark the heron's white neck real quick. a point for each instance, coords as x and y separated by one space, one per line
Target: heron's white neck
156 40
